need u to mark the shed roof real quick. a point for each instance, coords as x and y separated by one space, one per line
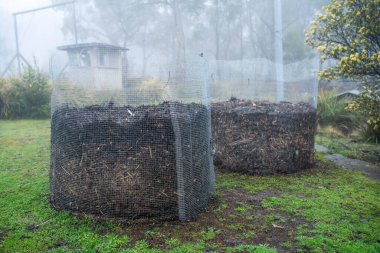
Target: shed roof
348 93
90 45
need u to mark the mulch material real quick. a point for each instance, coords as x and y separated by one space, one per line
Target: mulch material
110 161
263 138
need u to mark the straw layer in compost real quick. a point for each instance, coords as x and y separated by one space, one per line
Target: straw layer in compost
121 161
263 138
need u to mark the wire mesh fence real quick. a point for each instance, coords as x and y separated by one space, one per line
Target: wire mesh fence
125 145
253 131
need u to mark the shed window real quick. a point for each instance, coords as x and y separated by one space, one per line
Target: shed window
104 59
85 60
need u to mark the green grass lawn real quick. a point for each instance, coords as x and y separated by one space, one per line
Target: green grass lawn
324 209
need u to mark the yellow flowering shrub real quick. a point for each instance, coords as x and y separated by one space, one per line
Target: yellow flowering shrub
348 32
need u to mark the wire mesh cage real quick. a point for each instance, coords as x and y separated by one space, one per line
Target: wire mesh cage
253 131
125 145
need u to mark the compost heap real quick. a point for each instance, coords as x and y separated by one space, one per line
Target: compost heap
263 138
121 161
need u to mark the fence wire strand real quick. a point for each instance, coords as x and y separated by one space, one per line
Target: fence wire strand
126 145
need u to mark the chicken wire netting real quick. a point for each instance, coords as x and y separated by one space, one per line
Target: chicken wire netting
258 79
125 145
264 123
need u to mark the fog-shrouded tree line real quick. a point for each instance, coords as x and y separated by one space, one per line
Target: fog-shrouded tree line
4 50
221 29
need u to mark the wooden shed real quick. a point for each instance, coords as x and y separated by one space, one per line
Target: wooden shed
96 65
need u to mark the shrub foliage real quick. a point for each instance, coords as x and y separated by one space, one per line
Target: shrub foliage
27 96
329 107
348 33
332 112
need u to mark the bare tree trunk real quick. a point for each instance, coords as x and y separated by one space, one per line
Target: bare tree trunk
241 40
124 65
253 33
180 43
144 63
278 51
217 39
227 43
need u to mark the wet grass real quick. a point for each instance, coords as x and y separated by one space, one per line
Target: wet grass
325 209
348 145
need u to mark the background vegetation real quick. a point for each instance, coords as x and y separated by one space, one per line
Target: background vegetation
27 96
342 131
347 32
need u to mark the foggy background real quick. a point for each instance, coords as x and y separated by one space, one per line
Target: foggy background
157 31
39 32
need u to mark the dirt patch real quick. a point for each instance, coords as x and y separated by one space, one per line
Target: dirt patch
236 218
270 227
263 138
372 157
109 161
4 233
25 237
58 244
32 227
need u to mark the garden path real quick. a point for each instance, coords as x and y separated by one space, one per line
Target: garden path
372 171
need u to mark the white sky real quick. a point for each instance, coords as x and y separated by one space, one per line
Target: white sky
39 32
20 5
